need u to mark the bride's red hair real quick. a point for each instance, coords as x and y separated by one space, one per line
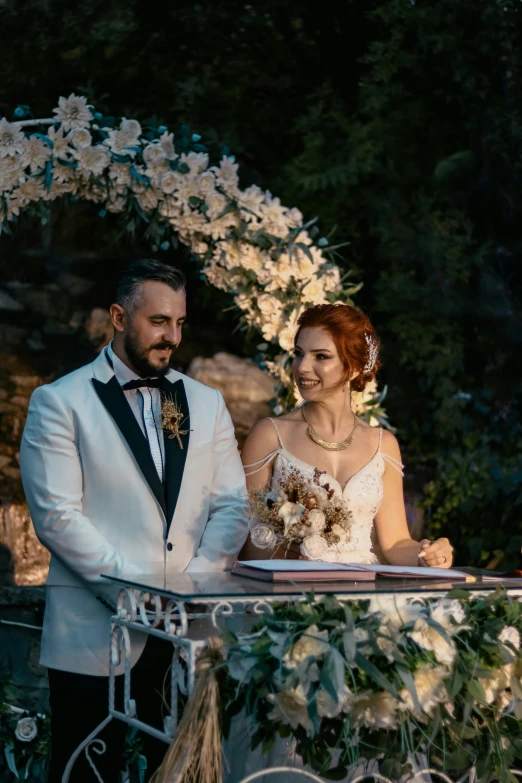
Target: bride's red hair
350 330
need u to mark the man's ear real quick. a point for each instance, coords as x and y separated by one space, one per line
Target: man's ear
118 317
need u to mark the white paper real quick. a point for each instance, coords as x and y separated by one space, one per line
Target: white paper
299 565
320 565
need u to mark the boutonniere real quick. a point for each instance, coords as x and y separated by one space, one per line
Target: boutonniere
172 419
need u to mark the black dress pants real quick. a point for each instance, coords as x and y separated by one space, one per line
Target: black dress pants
80 702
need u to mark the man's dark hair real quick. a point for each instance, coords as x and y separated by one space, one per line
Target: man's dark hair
128 287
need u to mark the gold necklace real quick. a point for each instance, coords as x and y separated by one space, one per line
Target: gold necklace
330 445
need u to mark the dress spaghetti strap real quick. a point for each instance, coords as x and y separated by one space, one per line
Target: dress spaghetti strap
399 467
265 461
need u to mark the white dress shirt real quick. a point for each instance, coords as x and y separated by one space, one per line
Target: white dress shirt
146 407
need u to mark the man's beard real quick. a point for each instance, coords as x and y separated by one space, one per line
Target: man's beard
140 357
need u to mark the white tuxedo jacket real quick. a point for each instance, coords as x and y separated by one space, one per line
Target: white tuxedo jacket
98 505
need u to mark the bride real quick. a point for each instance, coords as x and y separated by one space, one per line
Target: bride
336 350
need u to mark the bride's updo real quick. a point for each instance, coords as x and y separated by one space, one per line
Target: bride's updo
354 336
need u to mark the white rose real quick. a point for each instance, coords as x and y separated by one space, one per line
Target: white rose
314 547
168 182
81 137
313 643
26 729
153 154
429 685
285 338
317 520
263 537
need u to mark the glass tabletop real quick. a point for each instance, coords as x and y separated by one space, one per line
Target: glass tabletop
222 585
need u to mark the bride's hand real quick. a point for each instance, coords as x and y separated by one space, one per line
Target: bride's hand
437 553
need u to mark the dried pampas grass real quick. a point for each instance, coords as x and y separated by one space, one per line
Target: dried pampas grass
195 755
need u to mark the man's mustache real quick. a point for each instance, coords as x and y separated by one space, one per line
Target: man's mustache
161 346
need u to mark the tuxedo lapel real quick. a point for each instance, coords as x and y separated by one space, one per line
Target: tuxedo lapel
115 402
174 456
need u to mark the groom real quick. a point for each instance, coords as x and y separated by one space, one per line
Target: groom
111 493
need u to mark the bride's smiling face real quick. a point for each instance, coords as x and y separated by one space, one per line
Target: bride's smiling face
317 367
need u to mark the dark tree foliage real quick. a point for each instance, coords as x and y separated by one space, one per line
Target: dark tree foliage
399 122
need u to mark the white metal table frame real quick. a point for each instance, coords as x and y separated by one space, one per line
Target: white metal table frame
171 623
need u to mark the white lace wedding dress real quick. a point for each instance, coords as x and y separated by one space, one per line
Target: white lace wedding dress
363 494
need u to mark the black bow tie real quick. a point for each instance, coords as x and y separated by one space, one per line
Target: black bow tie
141 383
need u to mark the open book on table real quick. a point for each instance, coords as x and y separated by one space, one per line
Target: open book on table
319 571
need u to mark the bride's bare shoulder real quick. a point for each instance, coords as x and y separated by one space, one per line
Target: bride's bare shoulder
260 441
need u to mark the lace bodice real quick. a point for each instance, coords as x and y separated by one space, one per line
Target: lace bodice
362 493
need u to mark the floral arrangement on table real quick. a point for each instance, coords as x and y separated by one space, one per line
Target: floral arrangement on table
405 684
300 511
248 244
386 679
25 740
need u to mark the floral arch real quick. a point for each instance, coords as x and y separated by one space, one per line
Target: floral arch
245 241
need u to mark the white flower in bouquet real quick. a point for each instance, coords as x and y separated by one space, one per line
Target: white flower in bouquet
429 638
60 142
217 276
73 112
510 635
196 161
166 141
206 183
92 160
226 174
253 258
263 537
291 514
220 228
10 172
497 683
148 200
290 706
80 137
314 547
168 184
117 204
269 306
250 200
375 710
430 689
313 292
26 729
328 707
274 216
120 175
312 643
126 136
316 520
11 139
331 277
216 204
154 155
28 191
36 154
449 613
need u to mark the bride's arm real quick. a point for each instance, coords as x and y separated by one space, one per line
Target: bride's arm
260 444
261 441
396 544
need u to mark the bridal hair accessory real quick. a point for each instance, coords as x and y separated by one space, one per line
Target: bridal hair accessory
330 445
172 419
372 353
